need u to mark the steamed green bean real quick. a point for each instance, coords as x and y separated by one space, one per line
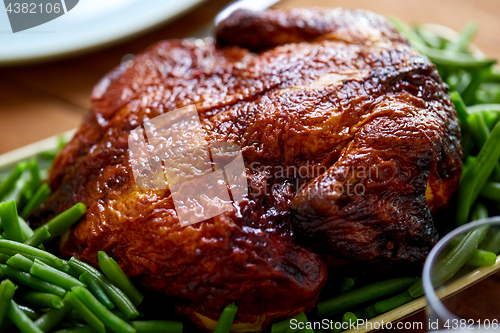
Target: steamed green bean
21 320
356 297
31 281
39 299
109 319
7 290
10 222
115 275
226 319
93 285
9 184
88 316
54 276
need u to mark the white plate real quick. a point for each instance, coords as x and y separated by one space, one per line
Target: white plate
90 24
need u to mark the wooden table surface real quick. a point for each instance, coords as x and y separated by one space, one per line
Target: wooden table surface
41 100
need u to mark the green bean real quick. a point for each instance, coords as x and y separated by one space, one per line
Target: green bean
226 319
93 285
488 93
491 190
3 260
464 80
484 97
468 164
25 195
20 262
81 267
335 327
75 316
467 145
25 228
7 290
454 59
54 276
408 32
52 318
360 314
82 329
453 261
493 243
477 76
464 38
285 325
370 311
38 238
10 222
8 185
482 258
49 155
494 74
36 180
479 212
483 108
21 320
52 153
350 319
64 220
109 319
31 281
490 118
119 314
477 175
10 253
157 326
393 302
70 323
118 297
31 186
460 107
479 129
39 299
26 249
36 200
455 82
31 313
346 285
115 275
87 315
353 298
481 132
430 38
306 330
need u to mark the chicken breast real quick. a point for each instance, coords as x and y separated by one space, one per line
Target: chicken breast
349 142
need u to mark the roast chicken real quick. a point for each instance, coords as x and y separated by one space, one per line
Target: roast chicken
349 140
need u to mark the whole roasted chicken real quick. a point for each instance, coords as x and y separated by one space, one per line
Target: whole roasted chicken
349 141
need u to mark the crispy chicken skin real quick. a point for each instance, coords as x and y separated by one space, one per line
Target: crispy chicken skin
349 140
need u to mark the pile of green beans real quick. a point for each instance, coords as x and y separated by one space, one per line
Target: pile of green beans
40 292
46 281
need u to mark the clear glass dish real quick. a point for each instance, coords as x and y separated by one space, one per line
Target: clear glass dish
470 300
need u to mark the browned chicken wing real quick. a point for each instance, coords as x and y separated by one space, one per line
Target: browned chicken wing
347 135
